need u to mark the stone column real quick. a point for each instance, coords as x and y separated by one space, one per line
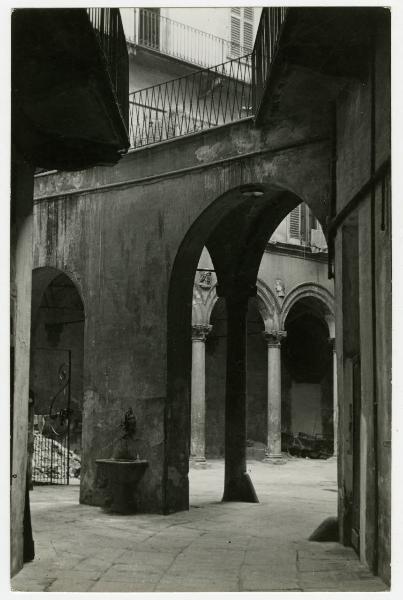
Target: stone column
198 395
273 450
335 400
237 485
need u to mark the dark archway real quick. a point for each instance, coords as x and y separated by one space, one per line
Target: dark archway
307 378
56 376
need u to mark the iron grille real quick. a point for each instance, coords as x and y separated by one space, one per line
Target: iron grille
201 100
266 43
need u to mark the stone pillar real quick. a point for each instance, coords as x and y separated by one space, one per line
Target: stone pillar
335 401
273 450
22 181
237 485
198 395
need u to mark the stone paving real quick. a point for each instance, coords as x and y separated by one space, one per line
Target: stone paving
214 547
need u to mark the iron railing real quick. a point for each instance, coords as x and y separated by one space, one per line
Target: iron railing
151 30
108 28
266 43
201 100
210 97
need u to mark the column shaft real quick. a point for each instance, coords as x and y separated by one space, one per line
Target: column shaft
237 485
274 401
273 452
198 395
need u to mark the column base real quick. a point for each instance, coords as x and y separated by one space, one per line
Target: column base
240 490
275 459
198 462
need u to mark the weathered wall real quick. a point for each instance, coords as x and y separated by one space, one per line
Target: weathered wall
363 144
118 239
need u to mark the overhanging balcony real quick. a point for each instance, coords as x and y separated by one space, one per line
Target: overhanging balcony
70 87
210 97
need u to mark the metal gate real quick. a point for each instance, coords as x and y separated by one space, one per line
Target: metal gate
51 452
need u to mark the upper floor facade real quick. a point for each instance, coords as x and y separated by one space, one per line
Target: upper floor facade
198 36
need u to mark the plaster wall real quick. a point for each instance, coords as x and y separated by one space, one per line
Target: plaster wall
293 270
363 144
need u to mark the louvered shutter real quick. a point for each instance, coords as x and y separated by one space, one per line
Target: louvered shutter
247 38
294 223
241 31
235 31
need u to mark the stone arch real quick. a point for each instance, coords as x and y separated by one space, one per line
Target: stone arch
260 207
269 306
310 290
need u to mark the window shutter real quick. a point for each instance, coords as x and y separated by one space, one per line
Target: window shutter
247 37
248 29
302 231
248 13
241 30
235 34
294 224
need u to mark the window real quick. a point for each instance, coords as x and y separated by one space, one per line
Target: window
241 31
298 222
149 27
294 223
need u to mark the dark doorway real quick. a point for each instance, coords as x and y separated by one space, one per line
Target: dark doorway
56 382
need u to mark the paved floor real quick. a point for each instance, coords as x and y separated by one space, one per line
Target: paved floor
213 547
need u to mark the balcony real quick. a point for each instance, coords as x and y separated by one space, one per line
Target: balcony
204 99
69 87
183 42
218 95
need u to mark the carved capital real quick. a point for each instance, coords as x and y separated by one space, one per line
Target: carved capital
200 332
274 338
205 279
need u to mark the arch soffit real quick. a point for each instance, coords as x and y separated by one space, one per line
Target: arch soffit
42 277
310 290
269 306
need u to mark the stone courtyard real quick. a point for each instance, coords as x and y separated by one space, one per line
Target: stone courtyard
215 547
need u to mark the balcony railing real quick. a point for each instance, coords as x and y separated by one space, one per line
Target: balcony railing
266 43
182 41
209 97
108 29
201 100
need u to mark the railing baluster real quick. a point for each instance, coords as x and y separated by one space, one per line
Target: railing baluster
183 41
